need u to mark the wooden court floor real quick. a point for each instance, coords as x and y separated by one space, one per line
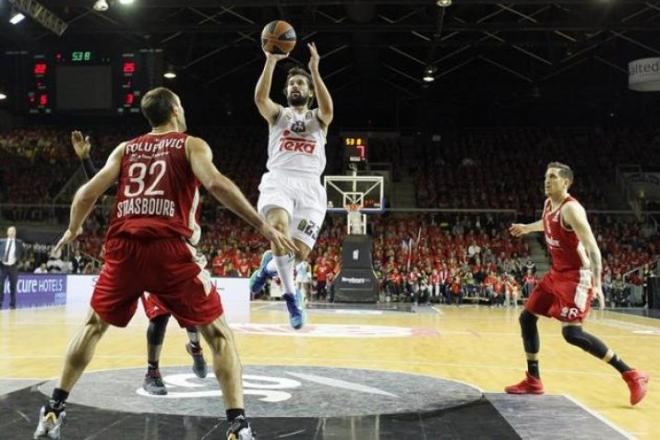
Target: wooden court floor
479 346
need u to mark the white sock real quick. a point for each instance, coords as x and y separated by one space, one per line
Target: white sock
272 266
193 336
284 265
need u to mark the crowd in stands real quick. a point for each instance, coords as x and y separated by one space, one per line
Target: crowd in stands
417 257
477 168
625 244
43 160
427 258
441 258
504 168
39 165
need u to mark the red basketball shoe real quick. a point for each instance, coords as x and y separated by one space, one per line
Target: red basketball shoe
529 385
637 383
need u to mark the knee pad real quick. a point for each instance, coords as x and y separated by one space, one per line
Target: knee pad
574 335
527 321
530 333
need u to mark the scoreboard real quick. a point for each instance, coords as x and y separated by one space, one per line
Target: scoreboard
89 81
355 145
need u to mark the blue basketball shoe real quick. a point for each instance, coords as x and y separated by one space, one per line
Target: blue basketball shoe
296 307
260 276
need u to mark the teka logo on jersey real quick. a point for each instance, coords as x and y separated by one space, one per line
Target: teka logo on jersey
296 144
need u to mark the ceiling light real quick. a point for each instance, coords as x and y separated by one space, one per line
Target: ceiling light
429 73
2 96
443 3
101 6
170 74
126 2
16 18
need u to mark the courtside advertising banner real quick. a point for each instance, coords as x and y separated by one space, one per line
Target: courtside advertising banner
36 290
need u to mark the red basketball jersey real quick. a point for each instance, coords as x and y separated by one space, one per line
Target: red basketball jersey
157 193
563 244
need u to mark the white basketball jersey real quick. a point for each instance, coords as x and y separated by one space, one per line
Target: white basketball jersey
296 144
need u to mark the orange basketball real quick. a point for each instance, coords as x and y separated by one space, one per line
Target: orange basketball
278 37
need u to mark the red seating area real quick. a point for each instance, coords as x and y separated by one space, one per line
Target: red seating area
504 168
625 244
485 168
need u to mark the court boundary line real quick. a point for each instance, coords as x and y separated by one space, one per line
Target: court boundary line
600 417
21 378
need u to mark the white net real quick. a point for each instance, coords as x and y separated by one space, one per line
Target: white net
356 221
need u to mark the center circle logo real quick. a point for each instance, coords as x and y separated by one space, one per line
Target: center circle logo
275 391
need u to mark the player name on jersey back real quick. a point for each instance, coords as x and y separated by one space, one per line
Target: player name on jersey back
144 206
155 146
157 194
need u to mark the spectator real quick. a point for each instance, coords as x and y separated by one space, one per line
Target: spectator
41 269
529 283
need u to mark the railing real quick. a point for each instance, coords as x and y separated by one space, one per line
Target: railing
654 265
631 198
70 187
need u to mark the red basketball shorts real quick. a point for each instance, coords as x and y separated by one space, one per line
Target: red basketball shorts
169 269
153 307
565 296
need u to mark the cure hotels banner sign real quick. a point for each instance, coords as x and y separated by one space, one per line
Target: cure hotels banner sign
39 290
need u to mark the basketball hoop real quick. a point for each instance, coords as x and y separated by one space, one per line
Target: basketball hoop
355 219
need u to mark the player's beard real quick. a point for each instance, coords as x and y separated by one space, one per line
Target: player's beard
297 101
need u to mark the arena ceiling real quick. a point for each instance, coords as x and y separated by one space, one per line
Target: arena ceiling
498 55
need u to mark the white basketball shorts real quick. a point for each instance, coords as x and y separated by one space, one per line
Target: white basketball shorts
303 198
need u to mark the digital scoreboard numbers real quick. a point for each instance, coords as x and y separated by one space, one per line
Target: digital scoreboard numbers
81 56
39 98
355 148
129 93
138 72
86 81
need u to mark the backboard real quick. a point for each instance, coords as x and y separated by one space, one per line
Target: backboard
366 191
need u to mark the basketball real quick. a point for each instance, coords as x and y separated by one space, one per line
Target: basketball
278 37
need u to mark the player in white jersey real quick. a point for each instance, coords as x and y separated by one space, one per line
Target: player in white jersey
291 197
304 278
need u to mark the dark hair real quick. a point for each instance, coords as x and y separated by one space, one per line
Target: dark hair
157 105
564 171
302 72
